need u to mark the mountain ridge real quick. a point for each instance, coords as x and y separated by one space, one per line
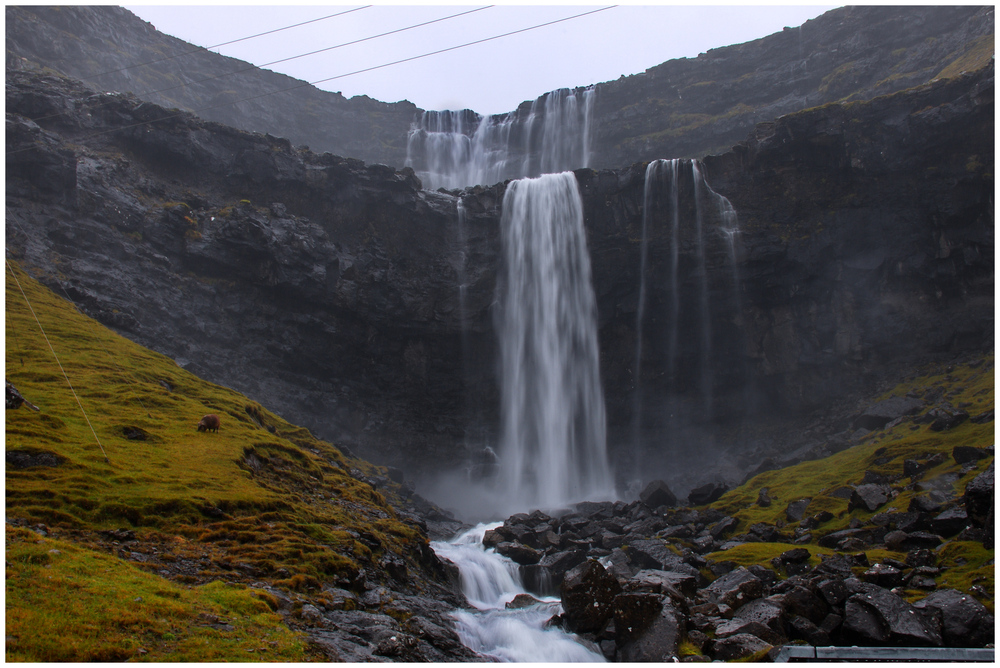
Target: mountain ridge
687 107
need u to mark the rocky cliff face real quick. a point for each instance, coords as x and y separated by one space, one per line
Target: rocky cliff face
687 107
328 289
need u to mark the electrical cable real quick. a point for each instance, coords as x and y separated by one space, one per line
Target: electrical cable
339 76
121 372
215 46
75 396
283 60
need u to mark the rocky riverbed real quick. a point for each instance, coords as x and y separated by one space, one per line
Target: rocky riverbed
650 581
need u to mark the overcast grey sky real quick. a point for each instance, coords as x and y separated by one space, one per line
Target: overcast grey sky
492 77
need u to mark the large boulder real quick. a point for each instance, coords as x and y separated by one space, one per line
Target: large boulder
879 415
655 554
648 628
869 497
673 583
978 498
764 611
965 621
735 588
588 592
946 417
700 496
657 494
876 616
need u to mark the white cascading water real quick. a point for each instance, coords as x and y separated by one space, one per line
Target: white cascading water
552 405
455 149
489 582
661 207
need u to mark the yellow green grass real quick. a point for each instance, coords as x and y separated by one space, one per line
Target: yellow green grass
69 603
965 563
260 499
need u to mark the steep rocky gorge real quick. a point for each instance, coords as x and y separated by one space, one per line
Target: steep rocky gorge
329 289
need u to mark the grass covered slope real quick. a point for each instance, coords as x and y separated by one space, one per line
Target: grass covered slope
826 484
261 500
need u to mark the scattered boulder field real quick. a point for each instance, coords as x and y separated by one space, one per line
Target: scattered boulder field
886 543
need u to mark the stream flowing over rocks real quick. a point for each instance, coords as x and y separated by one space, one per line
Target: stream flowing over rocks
635 586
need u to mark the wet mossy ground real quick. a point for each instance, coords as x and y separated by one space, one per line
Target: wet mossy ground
966 565
113 472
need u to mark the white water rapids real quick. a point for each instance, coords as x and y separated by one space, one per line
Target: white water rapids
489 582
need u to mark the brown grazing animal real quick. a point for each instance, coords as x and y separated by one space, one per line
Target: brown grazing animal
209 423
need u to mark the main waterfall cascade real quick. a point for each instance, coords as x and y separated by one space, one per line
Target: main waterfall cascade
552 432
455 149
688 367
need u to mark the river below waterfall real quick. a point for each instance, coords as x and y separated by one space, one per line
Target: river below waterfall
489 582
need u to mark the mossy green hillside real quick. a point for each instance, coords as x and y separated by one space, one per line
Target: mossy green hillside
261 499
969 385
66 602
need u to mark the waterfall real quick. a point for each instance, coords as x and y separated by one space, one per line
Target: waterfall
705 316
552 405
455 149
489 581
689 233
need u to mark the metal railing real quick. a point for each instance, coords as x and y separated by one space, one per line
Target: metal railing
797 653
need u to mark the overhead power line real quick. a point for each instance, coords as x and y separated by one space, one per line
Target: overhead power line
339 76
215 46
283 60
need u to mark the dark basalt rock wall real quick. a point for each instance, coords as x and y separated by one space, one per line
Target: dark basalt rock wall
328 289
687 107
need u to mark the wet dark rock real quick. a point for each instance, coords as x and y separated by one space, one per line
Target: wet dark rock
588 592
736 626
657 494
870 497
833 591
735 588
802 628
963 454
671 583
740 646
707 493
929 502
763 498
982 418
912 467
654 554
519 554
644 633
796 510
798 597
978 498
722 527
763 611
23 459
883 575
879 415
795 556
876 616
946 417
950 522
965 621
